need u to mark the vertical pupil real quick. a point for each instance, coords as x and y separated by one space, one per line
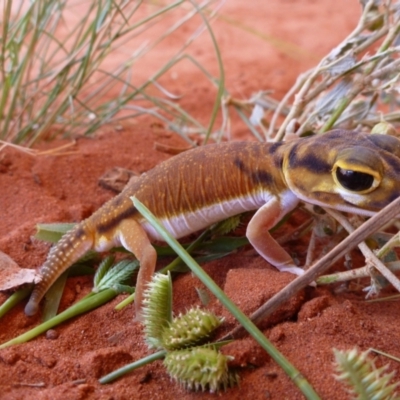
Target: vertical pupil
354 180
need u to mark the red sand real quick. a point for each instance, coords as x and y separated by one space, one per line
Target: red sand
68 363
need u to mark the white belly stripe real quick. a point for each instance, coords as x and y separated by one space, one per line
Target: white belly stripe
186 224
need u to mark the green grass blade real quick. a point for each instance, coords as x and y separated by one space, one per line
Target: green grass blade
130 367
221 82
128 300
14 299
87 304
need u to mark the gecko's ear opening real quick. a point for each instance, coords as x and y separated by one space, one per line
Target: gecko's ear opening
357 170
386 142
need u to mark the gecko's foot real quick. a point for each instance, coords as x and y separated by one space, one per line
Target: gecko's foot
296 271
292 269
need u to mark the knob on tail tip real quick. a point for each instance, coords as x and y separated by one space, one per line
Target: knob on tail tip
31 308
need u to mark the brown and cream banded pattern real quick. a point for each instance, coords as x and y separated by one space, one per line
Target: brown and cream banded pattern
344 170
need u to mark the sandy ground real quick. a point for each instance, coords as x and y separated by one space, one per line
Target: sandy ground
68 363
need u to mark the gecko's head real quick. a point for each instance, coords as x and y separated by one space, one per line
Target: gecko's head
345 170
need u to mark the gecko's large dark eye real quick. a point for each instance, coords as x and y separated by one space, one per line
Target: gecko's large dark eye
354 180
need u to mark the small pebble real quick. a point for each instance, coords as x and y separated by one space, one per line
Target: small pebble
51 334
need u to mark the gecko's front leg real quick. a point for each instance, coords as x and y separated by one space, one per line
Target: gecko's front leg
257 233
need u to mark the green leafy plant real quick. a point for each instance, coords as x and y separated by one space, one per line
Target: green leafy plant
194 366
200 368
164 331
366 381
188 329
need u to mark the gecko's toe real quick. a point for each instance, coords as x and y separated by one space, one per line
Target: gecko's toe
293 270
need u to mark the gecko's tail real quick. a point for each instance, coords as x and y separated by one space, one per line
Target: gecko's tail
73 245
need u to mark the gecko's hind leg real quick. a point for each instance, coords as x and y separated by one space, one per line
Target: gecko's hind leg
134 238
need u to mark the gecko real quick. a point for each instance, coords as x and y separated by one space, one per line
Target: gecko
345 170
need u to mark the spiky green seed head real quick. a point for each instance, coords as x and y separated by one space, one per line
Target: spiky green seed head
157 309
187 330
200 368
365 380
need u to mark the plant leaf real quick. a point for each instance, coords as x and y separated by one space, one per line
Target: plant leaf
52 232
116 275
53 297
101 271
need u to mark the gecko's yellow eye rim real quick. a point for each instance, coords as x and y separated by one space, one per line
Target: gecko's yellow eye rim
357 170
356 178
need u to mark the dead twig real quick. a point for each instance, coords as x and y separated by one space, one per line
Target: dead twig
370 257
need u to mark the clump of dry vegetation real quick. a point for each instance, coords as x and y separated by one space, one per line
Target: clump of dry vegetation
356 85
